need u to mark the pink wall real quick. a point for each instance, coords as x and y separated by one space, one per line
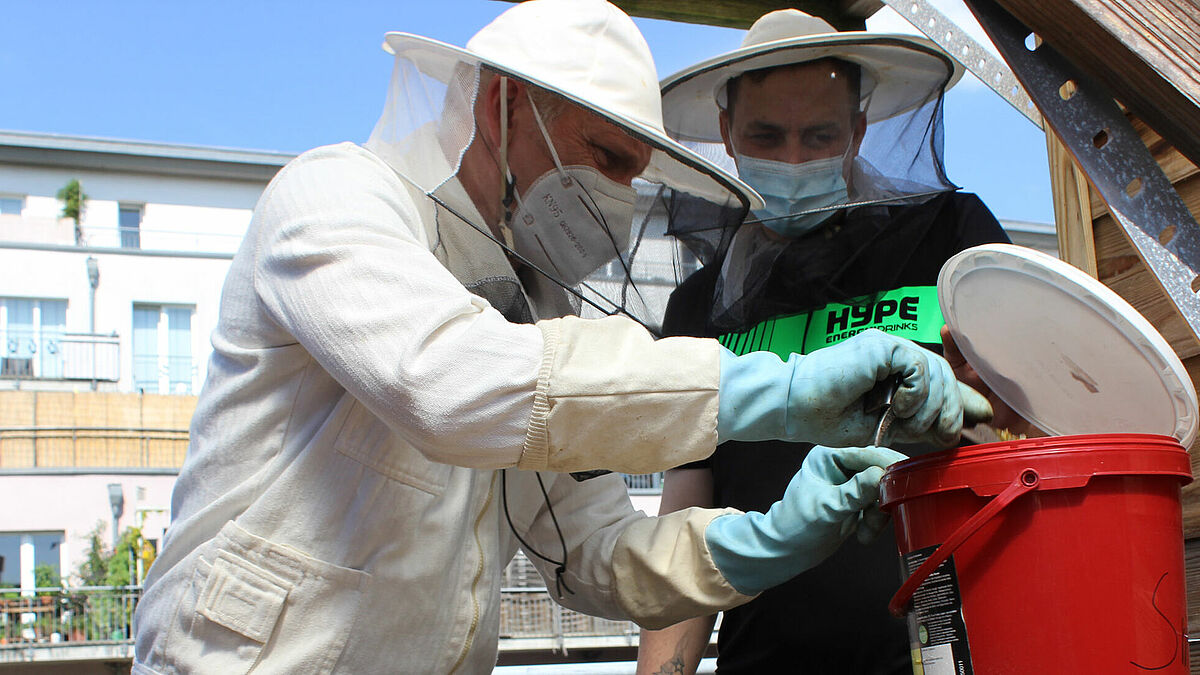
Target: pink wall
74 504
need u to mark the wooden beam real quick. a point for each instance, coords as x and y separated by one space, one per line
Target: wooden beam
1147 52
1072 206
742 13
843 14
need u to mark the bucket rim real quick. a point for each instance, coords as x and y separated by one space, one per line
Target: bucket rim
1061 462
1070 441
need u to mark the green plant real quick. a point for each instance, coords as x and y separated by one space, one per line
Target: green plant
107 613
74 202
107 567
46 576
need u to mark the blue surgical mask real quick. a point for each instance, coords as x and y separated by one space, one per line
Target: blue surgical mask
789 189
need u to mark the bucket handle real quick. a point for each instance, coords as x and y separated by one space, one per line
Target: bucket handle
1024 482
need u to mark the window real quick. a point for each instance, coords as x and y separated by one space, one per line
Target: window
22 553
129 222
11 206
31 333
162 349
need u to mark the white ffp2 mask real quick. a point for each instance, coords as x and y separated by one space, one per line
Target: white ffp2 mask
573 220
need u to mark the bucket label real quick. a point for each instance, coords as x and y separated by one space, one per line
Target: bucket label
936 630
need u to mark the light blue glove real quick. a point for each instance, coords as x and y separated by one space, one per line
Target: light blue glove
818 398
823 504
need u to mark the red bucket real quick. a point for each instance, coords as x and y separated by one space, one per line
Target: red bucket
1048 555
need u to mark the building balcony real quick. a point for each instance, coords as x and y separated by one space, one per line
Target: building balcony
94 448
53 355
48 431
96 615
185 239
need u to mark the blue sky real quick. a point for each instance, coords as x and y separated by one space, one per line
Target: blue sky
290 76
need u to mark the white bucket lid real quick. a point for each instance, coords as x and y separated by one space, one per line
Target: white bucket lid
1062 349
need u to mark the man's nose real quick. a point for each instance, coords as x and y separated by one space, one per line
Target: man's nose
795 152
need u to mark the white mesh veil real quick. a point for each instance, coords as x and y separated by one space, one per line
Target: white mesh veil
428 124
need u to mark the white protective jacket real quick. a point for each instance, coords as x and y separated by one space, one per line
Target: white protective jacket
340 507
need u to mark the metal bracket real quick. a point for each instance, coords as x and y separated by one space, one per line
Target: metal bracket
973 56
1096 132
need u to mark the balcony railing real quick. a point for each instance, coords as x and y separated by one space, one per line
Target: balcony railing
644 483
154 374
91 357
103 615
91 447
531 614
95 614
60 356
165 239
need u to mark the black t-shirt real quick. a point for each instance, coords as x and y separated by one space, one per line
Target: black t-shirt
833 618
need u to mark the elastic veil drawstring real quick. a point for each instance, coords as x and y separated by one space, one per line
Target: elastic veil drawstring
537 117
507 183
560 566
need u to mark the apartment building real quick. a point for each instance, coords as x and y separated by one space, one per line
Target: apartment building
104 330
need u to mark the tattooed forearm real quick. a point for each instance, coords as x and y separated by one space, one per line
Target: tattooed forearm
672 667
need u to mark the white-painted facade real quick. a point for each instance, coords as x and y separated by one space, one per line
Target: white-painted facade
160 226
60 511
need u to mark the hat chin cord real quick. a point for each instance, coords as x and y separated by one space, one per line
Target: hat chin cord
507 183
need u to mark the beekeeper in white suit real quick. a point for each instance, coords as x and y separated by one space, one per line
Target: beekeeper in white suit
391 404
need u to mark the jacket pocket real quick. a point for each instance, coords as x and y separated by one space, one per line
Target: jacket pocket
243 597
367 440
226 616
265 607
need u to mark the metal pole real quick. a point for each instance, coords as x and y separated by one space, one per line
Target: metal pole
93 271
116 499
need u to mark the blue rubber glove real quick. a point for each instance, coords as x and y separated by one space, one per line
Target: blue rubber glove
822 506
818 398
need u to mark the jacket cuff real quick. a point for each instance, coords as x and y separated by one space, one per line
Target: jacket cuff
610 396
536 451
664 572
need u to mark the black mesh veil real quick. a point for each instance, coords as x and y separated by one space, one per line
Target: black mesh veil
899 163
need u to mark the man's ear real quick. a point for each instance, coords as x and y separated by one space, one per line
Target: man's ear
489 117
723 118
860 130
856 139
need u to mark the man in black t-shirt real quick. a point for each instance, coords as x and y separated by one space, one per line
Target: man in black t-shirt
841 134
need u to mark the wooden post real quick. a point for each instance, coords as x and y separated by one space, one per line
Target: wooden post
1072 207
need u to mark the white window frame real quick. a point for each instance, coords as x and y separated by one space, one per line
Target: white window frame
27 561
162 338
39 331
121 231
